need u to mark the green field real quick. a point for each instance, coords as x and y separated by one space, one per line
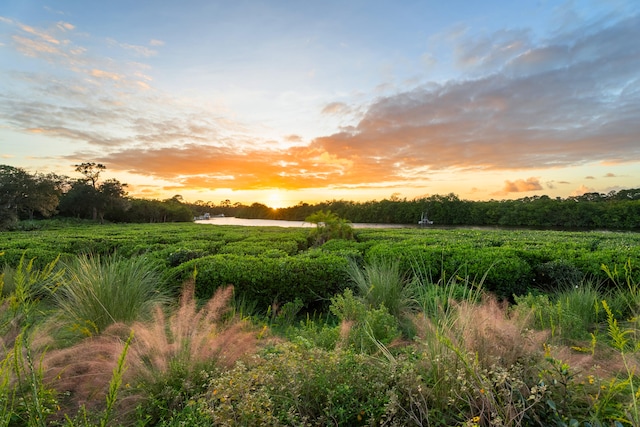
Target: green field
393 327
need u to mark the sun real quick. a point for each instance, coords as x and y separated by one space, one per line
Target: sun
274 200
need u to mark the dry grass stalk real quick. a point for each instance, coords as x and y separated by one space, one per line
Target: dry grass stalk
488 331
190 336
345 330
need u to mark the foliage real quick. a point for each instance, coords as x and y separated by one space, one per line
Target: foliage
99 291
380 282
312 277
175 356
23 195
24 285
558 356
569 314
328 226
363 328
289 385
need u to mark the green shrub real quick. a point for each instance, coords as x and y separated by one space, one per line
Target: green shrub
312 277
364 327
290 385
559 272
571 313
183 255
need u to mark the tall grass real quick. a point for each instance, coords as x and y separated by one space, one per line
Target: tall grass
26 283
571 313
381 282
100 291
174 356
627 291
169 360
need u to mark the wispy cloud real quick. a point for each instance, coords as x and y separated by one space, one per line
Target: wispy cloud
138 50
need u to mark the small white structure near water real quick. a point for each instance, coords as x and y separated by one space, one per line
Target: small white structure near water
424 220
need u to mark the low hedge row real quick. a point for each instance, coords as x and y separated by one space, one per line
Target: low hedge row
270 264
313 277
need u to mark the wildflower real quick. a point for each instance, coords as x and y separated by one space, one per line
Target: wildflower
591 379
475 419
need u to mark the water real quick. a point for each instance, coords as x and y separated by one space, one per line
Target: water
281 223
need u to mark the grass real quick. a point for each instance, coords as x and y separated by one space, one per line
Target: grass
562 358
101 290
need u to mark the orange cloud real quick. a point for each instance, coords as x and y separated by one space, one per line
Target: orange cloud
519 185
101 74
583 189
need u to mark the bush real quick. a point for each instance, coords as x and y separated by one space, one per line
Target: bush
289 385
313 277
552 274
363 328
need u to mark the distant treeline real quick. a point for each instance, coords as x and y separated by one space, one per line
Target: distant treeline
34 196
615 210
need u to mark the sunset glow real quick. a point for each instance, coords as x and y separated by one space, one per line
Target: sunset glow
286 102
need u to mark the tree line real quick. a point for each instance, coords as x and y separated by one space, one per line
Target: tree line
33 196
27 196
616 210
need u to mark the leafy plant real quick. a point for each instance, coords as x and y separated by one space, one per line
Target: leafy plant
25 285
328 226
363 327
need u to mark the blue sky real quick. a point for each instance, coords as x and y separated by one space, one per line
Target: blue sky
279 102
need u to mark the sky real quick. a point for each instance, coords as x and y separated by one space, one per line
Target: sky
281 102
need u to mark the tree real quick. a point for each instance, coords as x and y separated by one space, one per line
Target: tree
111 197
14 183
23 194
87 197
44 195
91 172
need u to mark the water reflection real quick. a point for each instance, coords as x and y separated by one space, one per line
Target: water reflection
282 223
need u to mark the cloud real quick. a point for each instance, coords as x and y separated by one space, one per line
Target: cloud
138 50
336 108
293 138
583 189
610 175
520 185
589 177
65 26
101 74
208 167
556 103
